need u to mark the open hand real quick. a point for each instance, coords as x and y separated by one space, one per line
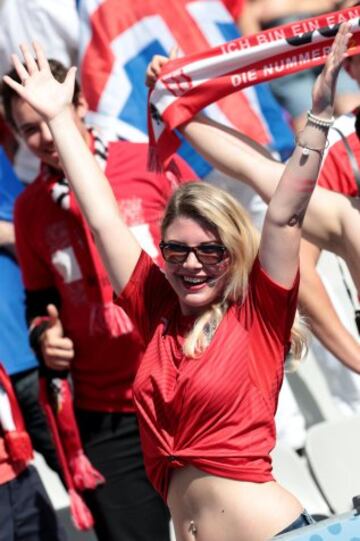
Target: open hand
38 87
324 88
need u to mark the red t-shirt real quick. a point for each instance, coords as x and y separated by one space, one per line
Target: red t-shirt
56 249
336 172
215 412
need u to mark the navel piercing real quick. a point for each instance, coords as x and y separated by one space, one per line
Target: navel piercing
192 527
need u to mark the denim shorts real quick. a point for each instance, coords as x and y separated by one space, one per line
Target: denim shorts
303 520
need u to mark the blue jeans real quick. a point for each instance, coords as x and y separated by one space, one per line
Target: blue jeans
303 520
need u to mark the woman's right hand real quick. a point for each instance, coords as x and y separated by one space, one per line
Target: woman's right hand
323 92
38 87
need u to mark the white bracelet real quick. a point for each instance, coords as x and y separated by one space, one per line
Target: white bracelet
321 122
306 148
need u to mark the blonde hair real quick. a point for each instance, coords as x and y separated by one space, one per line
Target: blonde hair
216 210
299 343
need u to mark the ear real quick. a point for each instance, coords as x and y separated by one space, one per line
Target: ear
82 106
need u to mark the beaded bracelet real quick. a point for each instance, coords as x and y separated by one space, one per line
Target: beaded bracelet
321 122
306 148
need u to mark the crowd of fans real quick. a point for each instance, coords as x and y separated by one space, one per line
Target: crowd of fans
84 310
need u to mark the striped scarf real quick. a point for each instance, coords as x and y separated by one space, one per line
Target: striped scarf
58 185
189 84
17 441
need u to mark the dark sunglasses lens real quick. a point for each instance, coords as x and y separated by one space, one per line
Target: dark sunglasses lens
174 253
210 254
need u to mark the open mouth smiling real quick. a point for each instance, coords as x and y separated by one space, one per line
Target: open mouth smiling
194 281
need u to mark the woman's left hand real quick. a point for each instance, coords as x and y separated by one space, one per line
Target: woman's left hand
324 88
154 67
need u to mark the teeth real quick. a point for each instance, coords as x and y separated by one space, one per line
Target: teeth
193 280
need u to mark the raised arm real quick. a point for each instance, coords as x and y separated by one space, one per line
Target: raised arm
324 321
52 100
290 188
240 157
280 242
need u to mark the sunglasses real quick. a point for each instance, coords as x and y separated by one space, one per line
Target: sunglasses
207 254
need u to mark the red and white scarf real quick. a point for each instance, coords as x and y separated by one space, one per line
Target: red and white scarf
105 317
56 401
189 84
58 184
17 441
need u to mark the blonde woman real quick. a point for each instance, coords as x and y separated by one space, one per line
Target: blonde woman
217 324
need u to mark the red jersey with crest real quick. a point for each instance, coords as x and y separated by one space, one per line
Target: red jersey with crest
215 412
56 249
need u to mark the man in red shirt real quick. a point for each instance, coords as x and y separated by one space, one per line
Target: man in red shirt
83 330
336 331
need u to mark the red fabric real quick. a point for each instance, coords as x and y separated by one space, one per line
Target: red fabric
189 28
8 470
46 406
336 172
235 7
63 408
85 476
15 446
53 251
215 412
81 515
18 444
188 84
57 401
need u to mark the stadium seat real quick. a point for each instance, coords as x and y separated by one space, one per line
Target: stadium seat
333 452
291 471
312 392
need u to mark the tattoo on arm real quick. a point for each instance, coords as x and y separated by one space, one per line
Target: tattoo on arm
296 219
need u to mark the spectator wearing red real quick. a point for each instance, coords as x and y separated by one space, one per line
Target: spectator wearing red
26 511
74 323
226 290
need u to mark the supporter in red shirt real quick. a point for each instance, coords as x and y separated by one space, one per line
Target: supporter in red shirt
217 326
335 331
337 173
225 396
25 509
66 282
331 223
